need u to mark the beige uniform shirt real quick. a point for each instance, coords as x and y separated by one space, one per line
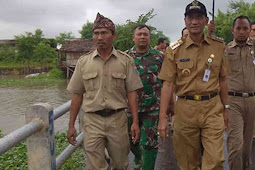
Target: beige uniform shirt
185 66
242 77
105 84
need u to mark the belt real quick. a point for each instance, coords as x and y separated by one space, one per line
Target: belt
107 112
241 94
199 97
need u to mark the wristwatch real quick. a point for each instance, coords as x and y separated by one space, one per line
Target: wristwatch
226 106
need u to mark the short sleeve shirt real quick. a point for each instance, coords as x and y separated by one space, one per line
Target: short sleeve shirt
148 65
104 83
186 64
242 77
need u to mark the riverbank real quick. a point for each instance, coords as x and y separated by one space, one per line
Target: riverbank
54 76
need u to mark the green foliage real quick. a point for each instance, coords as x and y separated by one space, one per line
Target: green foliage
16 158
27 43
7 53
86 31
44 54
61 39
224 21
77 159
125 31
54 73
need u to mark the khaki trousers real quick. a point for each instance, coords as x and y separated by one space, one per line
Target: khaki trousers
108 132
197 121
240 133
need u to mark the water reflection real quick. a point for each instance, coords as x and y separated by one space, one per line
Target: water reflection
14 102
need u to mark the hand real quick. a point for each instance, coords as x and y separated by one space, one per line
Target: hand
135 132
226 118
163 129
71 136
211 27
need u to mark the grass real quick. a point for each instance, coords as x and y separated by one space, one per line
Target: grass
52 77
16 158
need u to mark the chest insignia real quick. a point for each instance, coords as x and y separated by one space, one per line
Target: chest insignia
184 59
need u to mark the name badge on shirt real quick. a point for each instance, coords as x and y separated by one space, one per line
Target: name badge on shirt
206 75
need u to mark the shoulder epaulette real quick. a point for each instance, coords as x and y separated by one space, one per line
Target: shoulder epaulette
219 39
86 54
124 53
176 44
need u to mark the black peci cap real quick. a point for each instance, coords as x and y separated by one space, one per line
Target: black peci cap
195 6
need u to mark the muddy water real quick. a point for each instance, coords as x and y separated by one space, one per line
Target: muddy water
14 101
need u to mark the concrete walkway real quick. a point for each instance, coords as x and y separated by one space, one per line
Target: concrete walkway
166 159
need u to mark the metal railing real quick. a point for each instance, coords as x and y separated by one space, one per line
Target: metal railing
39 132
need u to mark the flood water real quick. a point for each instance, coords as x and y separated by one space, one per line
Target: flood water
15 100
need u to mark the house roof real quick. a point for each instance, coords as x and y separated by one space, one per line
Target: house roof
78 45
10 41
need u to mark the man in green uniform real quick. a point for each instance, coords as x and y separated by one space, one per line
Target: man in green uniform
198 68
103 81
241 95
148 62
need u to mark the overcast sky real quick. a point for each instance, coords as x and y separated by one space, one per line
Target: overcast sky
55 16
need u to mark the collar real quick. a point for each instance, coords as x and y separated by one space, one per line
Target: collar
189 41
95 53
150 51
233 43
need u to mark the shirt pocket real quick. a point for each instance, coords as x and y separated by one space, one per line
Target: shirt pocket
91 81
118 80
185 69
234 63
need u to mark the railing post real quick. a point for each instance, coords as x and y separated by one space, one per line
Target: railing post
41 145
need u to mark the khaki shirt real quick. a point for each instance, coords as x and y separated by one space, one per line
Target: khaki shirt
105 84
242 77
185 66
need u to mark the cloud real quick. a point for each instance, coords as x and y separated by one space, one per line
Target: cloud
55 16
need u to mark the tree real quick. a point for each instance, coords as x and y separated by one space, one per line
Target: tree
7 53
61 39
27 43
86 31
224 21
44 54
125 31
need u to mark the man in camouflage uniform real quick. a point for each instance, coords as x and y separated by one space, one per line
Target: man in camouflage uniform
148 62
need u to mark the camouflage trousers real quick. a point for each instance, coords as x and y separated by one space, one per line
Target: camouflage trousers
145 151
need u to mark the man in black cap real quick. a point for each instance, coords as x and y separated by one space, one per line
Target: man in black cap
198 69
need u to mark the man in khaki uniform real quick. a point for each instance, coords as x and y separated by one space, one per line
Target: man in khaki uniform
241 95
198 68
103 82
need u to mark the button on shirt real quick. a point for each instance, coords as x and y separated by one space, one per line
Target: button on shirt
105 83
242 77
185 66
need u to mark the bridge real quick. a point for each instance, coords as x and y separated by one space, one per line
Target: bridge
39 133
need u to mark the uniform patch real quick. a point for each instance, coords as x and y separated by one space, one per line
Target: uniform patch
184 59
135 69
176 44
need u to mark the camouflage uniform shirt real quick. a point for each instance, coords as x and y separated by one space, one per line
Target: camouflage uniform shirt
148 65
